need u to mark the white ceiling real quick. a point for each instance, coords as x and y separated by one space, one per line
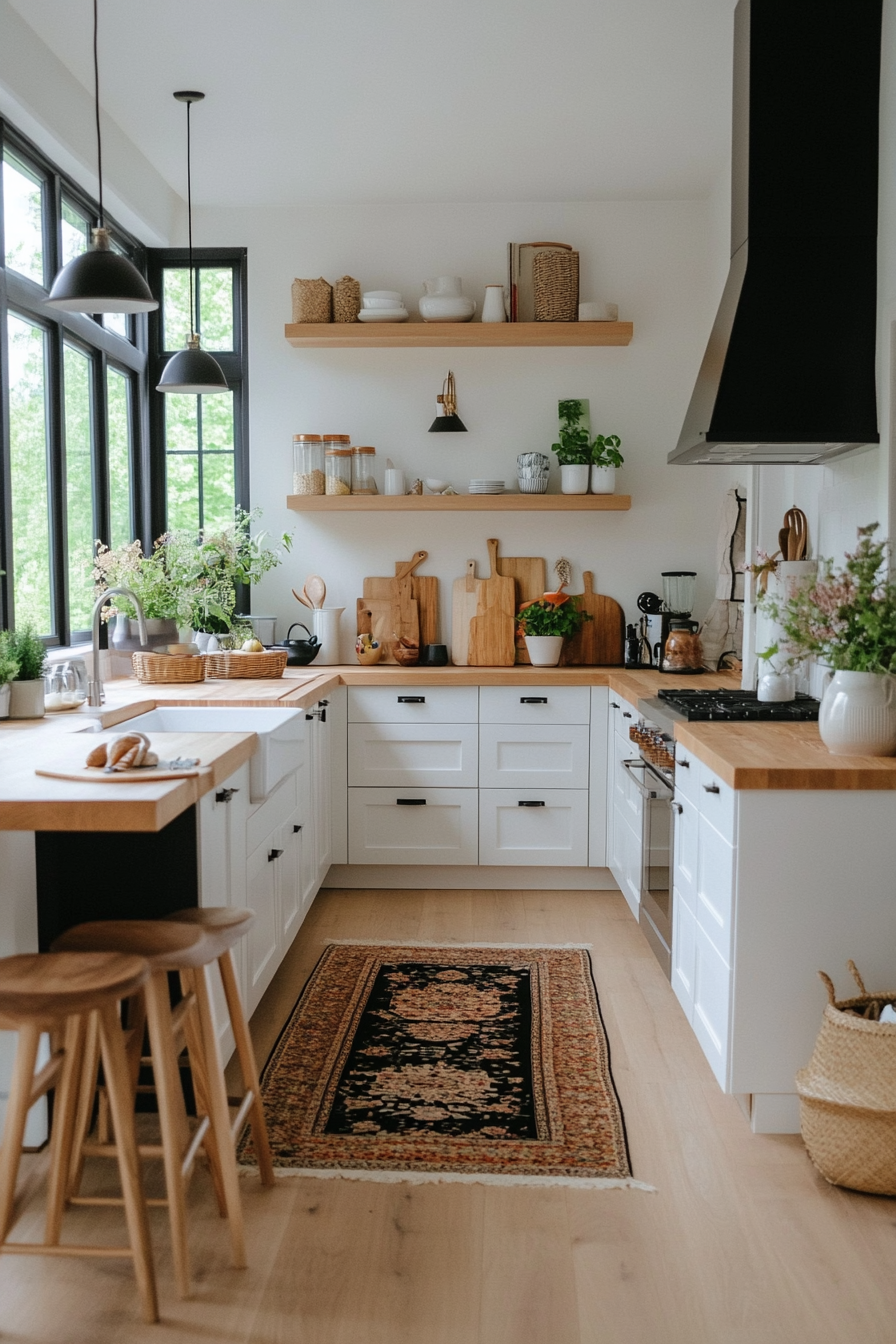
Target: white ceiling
312 102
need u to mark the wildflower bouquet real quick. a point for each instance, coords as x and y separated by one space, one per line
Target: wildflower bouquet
207 567
145 575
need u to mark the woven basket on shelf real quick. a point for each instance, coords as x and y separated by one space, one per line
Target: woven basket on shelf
555 281
161 667
312 301
346 300
848 1093
232 665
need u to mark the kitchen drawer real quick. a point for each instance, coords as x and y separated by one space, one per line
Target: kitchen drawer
622 715
413 704
714 907
272 812
687 775
712 1005
535 704
392 755
413 826
718 802
533 827
517 756
684 849
684 937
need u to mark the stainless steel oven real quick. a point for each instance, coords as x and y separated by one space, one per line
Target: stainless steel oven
657 792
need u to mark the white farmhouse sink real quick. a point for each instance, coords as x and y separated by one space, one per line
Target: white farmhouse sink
281 733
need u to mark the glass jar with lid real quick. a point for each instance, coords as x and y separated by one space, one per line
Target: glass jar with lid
307 464
339 471
363 481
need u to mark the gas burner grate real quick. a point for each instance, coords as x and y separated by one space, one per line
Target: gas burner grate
739 706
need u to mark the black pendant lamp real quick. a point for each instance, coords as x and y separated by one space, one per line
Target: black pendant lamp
100 280
447 420
191 370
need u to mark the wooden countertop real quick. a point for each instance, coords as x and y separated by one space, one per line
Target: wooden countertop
781 756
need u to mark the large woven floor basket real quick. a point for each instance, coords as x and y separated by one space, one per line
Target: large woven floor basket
848 1093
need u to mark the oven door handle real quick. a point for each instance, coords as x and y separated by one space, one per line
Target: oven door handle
644 790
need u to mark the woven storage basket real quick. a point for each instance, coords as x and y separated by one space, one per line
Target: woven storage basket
555 281
232 665
161 667
312 301
848 1093
346 300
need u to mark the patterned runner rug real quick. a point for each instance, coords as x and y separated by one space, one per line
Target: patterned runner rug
471 1062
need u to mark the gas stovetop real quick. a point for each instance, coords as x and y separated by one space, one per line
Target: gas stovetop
741 706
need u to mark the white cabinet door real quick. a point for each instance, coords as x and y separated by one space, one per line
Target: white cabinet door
627 844
714 906
684 851
221 824
712 997
437 755
684 933
517 756
597 779
18 933
288 878
262 941
413 826
533 827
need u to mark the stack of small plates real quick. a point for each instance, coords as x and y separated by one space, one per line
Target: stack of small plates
382 305
486 487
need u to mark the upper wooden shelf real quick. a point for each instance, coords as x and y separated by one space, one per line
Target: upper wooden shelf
408 335
456 503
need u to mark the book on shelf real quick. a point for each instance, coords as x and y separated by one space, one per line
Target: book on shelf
520 258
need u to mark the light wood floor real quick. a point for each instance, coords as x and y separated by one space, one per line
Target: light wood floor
742 1244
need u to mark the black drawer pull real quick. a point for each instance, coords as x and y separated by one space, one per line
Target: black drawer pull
685 765
296 829
625 714
274 854
323 702
614 705
412 699
521 803
711 788
411 802
225 795
677 807
533 699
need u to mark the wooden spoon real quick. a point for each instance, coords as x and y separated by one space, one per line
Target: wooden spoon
315 590
798 533
300 597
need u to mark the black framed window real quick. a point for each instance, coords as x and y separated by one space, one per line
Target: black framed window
74 404
199 455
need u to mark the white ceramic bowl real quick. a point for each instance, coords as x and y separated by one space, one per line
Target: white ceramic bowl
391 294
436 486
446 308
368 302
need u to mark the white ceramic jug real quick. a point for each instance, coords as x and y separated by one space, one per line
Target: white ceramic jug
858 714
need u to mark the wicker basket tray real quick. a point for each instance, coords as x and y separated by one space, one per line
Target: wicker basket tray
161 667
231 665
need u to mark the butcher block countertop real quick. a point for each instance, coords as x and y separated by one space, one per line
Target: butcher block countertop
781 756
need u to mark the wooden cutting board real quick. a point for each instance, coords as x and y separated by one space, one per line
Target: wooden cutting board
375 618
94 775
389 608
601 641
492 628
529 574
464 602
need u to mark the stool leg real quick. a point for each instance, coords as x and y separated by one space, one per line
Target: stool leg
63 1136
248 1067
17 1108
121 1102
172 1119
86 1098
219 1115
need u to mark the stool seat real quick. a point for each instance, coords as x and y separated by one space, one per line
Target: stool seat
51 986
166 946
225 923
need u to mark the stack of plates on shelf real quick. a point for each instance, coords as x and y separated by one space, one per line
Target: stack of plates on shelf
532 471
486 487
382 305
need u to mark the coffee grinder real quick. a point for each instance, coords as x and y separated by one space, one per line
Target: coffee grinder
682 650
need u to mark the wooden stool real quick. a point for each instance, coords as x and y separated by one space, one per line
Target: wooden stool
171 947
57 993
231 925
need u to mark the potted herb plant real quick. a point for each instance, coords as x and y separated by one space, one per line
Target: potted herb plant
605 458
26 648
9 670
546 623
574 448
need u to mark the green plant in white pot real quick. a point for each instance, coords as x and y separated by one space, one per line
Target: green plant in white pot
574 448
26 699
9 670
546 623
605 458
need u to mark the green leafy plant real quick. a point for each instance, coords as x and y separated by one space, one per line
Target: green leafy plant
605 451
206 569
9 664
551 618
145 575
847 618
26 648
574 448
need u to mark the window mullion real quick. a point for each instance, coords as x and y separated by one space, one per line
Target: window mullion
56 479
100 444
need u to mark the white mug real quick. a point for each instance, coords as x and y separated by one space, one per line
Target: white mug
394 481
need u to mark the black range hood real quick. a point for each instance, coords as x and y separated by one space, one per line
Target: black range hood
789 371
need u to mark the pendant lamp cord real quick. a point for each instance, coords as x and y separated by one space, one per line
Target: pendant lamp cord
96 87
194 316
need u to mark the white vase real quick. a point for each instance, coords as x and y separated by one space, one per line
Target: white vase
4 700
325 625
26 699
858 714
603 480
775 687
493 304
574 478
544 650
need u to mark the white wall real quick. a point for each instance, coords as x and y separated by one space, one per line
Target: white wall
657 260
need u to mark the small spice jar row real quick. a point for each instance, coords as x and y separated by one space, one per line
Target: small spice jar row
327 464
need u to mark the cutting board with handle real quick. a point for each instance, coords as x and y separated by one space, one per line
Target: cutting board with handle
601 641
389 608
375 618
464 603
529 574
492 628
405 612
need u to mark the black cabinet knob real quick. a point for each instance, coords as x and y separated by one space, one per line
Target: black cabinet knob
274 854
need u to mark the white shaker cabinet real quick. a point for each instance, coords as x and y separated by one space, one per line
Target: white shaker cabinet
624 803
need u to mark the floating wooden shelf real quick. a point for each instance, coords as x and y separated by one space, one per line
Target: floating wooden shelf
457 503
409 335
